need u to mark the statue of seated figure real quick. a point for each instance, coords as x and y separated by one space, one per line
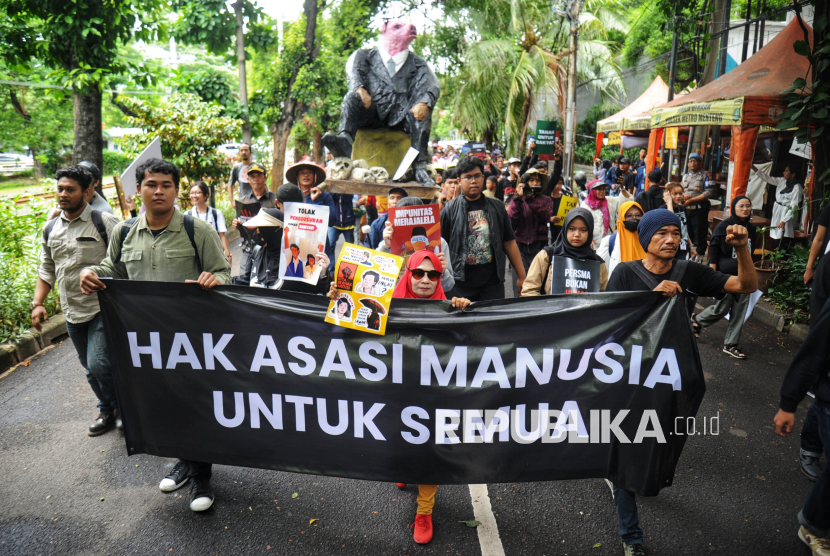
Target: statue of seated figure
391 87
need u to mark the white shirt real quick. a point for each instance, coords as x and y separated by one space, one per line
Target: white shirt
214 217
399 58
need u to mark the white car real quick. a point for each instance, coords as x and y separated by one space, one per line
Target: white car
11 163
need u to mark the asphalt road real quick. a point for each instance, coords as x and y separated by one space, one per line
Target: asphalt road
63 492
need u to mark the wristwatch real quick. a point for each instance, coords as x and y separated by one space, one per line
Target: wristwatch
36 304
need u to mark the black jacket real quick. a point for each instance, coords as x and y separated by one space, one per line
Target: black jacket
809 366
454 231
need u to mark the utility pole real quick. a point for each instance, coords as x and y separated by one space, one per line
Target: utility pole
673 60
240 62
570 106
672 78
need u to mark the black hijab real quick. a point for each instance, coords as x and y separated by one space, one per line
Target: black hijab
727 263
561 247
790 183
267 258
720 230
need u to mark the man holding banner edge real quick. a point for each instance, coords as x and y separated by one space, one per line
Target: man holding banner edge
158 246
659 234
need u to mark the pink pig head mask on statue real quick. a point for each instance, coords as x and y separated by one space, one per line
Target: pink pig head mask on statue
396 35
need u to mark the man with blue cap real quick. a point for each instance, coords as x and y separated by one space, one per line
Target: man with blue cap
659 234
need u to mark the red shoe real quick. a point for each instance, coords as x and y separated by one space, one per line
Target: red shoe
423 528
400 485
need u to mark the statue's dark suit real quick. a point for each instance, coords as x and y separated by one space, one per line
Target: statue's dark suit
392 97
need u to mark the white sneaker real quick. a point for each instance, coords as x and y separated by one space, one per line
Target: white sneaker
819 545
177 478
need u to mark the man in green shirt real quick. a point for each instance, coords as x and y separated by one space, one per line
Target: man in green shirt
158 248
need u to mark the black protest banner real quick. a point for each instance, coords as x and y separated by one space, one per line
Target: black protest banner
534 389
574 276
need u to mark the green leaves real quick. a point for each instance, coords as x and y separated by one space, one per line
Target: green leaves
802 48
190 131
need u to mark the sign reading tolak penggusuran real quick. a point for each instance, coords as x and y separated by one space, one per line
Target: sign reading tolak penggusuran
528 389
574 276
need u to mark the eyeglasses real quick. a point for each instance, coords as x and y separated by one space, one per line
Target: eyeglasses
477 177
419 273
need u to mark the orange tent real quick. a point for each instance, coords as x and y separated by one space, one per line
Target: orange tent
746 98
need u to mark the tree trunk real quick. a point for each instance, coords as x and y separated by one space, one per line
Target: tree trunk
521 147
281 129
240 62
318 146
488 138
280 134
89 142
40 171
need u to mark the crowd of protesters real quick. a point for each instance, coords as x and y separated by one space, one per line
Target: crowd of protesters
496 215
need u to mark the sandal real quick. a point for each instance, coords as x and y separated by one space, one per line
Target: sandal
733 351
696 328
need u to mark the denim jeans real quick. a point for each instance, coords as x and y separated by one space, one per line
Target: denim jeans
810 439
628 520
91 344
815 515
331 242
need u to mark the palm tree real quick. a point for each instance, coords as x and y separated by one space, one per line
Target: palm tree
522 53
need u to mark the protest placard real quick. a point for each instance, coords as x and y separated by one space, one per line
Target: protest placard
415 228
243 214
304 236
365 280
565 206
574 276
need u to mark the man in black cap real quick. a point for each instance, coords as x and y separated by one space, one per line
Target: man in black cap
616 176
375 235
260 195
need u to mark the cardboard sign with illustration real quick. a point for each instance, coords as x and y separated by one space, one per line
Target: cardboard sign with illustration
304 235
415 228
565 206
365 280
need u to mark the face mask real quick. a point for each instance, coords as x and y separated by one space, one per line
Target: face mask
631 225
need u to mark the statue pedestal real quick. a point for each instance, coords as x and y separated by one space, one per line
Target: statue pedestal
354 187
381 147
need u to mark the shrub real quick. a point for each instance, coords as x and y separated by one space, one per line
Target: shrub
20 233
115 162
788 291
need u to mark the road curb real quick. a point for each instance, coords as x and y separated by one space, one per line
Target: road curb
31 342
768 314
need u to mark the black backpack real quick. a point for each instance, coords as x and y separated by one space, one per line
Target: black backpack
97 219
188 228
